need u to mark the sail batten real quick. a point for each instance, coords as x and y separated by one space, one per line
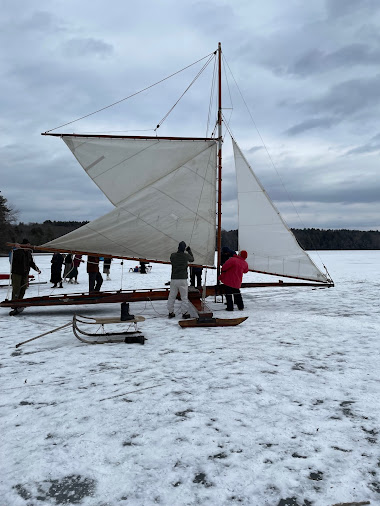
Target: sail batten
271 246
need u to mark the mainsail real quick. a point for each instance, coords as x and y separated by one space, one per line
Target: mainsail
163 191
271 246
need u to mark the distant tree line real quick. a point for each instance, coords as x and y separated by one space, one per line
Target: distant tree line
308 238
317 239
36 233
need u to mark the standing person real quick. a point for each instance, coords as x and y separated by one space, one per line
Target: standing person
77 261
94 274
142 267
196 272
107 267
22 261
56 270
73 274
232 277
179 260
68 265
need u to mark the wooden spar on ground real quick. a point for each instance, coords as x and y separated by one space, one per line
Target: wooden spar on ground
68 299
44 334
135 295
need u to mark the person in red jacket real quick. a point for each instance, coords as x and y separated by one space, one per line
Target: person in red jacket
232 276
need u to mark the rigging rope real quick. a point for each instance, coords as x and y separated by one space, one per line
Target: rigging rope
187 89
130 96
211 96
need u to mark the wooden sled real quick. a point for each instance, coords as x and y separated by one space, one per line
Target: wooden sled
103 337
212 322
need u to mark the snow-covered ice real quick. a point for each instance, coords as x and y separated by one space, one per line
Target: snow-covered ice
281 410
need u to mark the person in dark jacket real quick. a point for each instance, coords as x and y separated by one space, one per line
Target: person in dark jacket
56 270
178 282
94 275
22 261
232 277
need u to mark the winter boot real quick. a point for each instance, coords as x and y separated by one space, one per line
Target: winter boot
171 315
185 316
125 316
16 311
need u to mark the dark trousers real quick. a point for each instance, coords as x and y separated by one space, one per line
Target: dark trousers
19 285
233 295
92 278
197 275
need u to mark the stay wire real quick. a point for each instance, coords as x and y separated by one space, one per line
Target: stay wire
186 90
228 87
272 162
211 97
130 96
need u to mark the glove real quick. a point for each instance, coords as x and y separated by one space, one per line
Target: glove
188 248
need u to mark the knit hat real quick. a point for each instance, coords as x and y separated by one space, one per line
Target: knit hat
25 241
182 246
243 254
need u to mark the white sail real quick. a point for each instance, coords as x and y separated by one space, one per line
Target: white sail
271 246
164 193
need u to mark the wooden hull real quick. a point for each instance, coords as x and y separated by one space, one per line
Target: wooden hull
133 295
85 298
218 322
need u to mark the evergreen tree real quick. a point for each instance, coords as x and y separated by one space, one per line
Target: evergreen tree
7 220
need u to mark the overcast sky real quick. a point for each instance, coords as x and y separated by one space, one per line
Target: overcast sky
309 73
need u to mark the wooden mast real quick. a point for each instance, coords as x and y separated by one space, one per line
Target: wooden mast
220 141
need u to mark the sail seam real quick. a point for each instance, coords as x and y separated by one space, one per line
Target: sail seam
126 159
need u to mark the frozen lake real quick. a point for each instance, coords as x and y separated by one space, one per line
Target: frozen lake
281 410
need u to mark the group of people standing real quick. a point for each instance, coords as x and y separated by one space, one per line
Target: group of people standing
233 267
70 272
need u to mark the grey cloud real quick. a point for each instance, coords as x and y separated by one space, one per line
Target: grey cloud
41 21
79 47
56 192
316 60
372 146
343 100
309 124
339 8
253 149
350 194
